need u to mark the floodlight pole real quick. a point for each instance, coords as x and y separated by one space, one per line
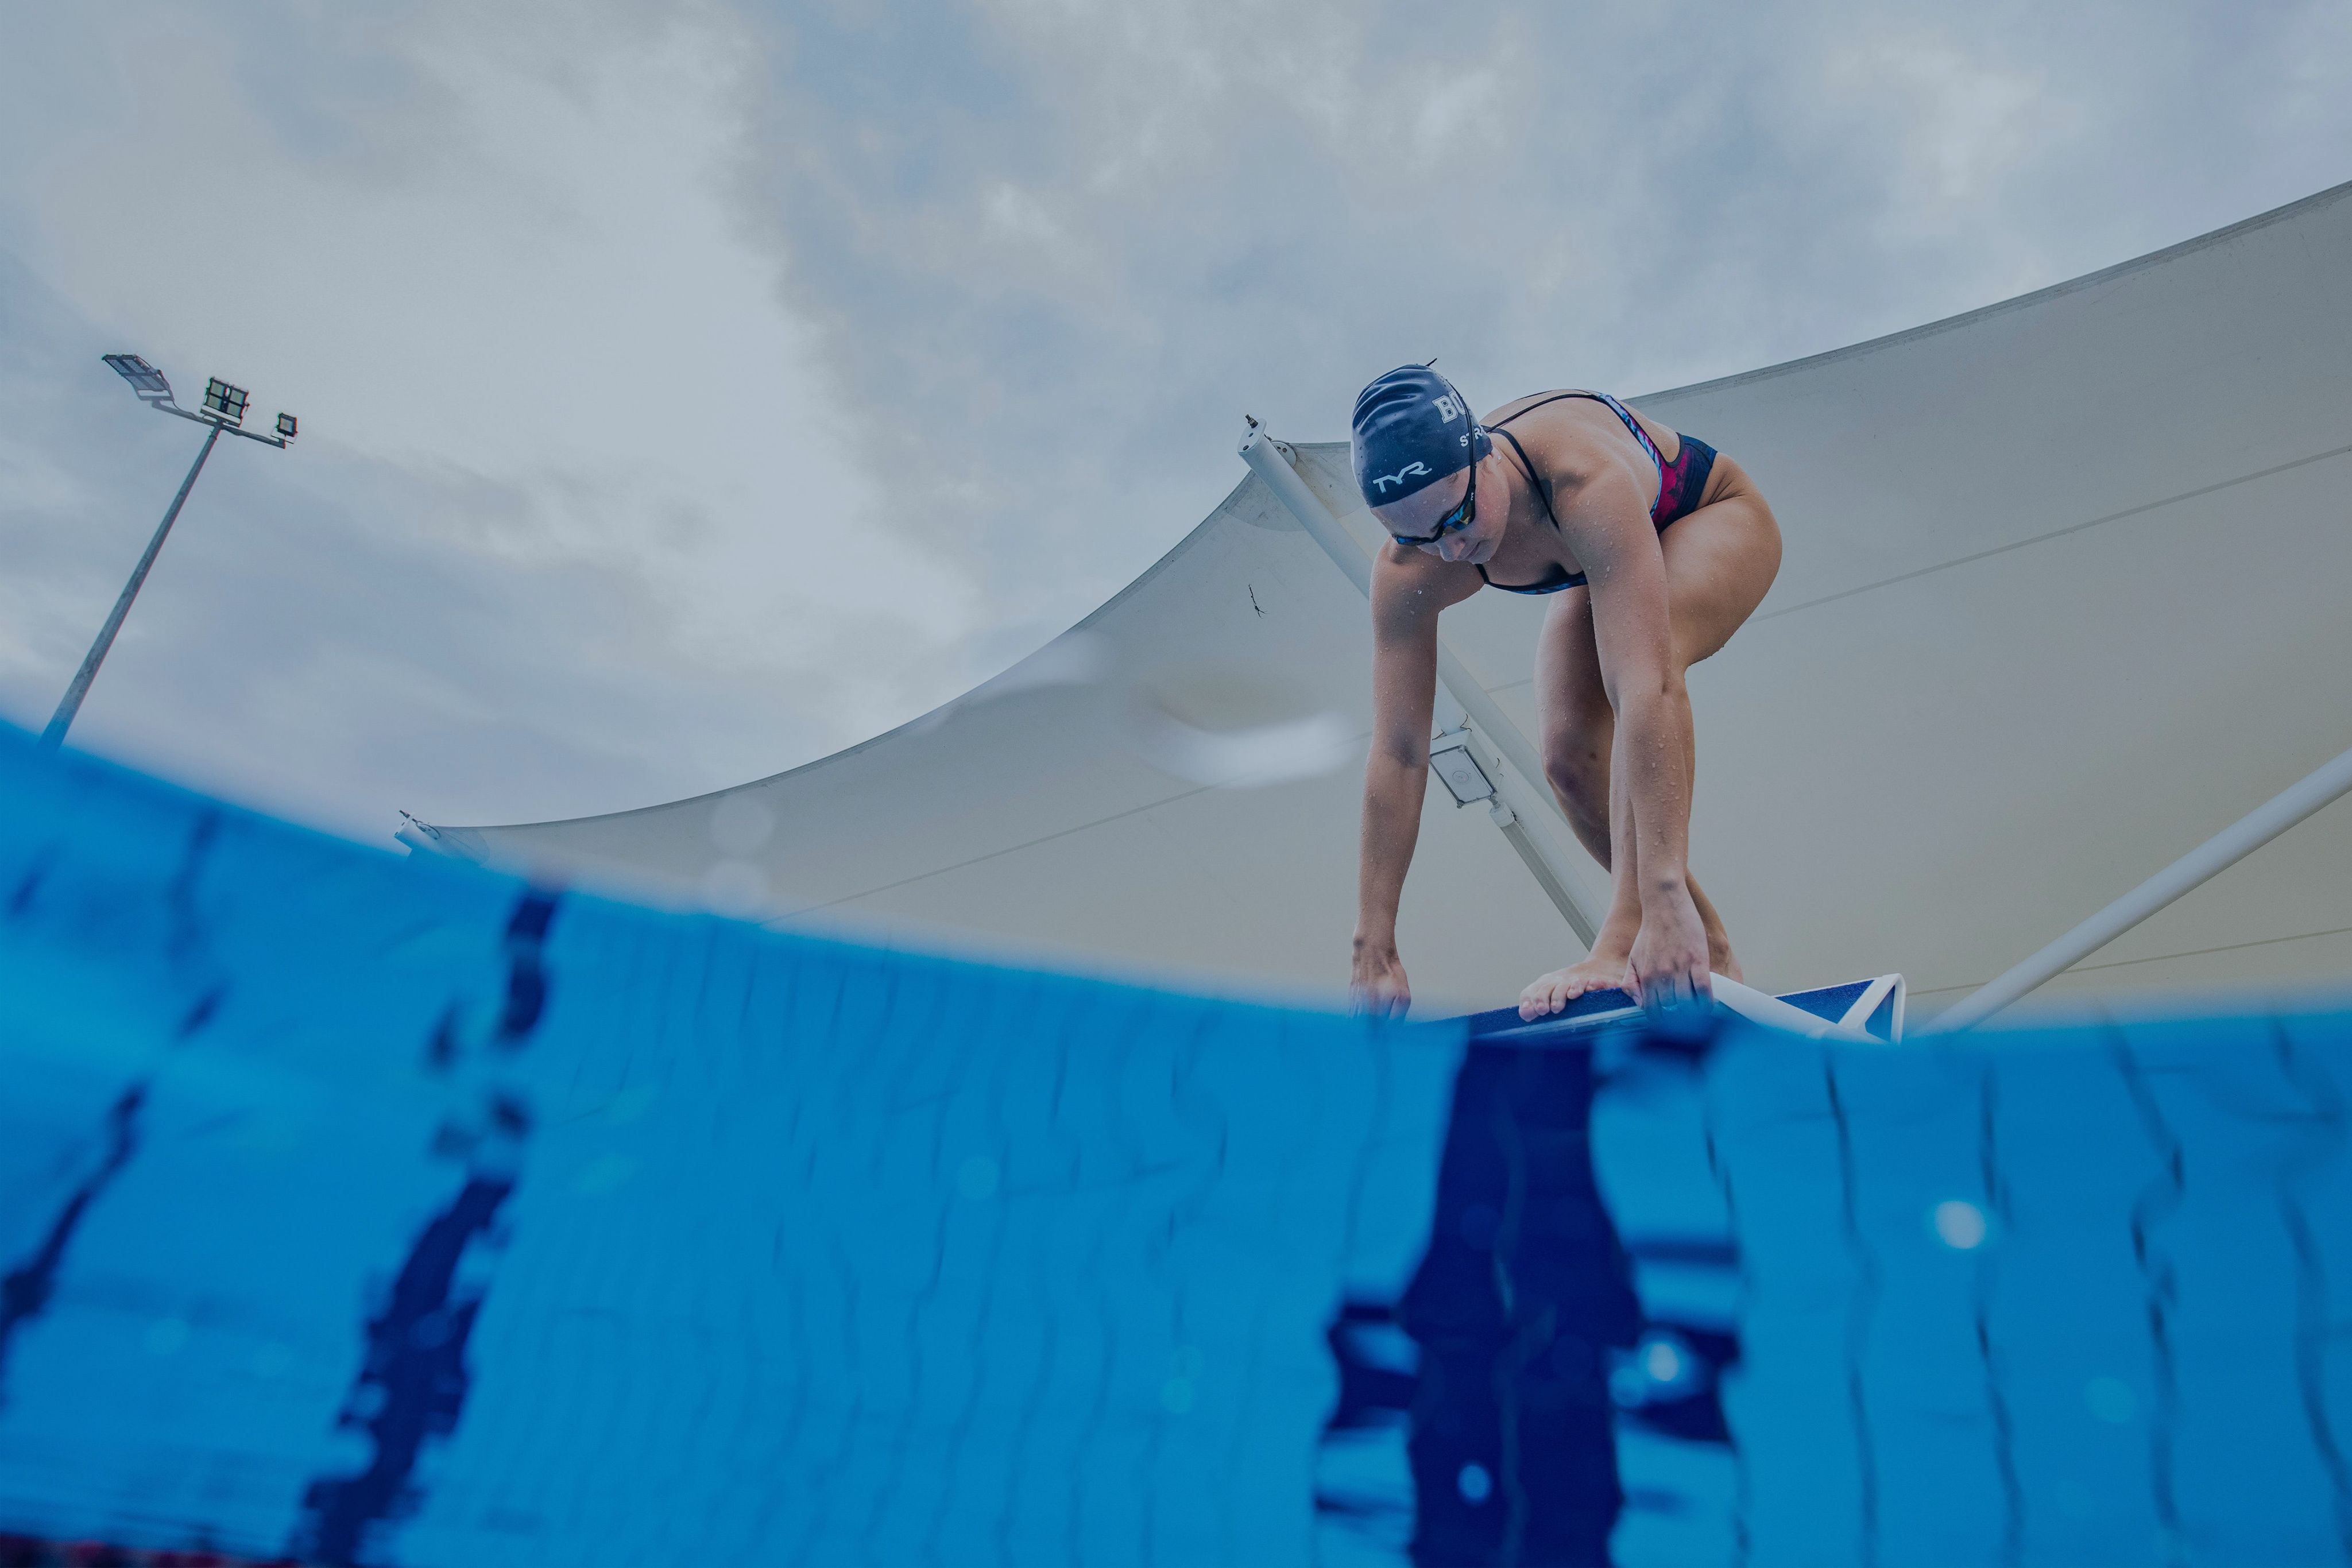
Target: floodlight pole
156 393
63 718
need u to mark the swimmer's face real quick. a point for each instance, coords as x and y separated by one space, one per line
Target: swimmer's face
1466 512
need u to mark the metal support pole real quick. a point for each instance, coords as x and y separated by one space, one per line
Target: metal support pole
1531 854
2216 854
61 721
1269 460
1757 1007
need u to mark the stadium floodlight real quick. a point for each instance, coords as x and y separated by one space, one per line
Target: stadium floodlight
224 401
144 379
223 410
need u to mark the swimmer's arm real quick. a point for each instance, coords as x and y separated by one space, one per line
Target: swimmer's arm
1407 595
1609 530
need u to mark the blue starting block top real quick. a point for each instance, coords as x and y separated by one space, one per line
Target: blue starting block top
1874 1006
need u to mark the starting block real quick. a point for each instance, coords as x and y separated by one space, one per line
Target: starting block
1859 1011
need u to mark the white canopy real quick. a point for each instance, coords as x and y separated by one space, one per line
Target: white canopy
2063 593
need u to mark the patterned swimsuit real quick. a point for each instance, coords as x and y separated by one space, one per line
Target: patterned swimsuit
1680 483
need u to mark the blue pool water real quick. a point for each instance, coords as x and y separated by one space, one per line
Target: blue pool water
396 1212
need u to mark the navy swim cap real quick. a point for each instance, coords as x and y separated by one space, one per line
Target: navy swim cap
1411 429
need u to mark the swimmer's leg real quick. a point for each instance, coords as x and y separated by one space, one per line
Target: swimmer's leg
1577 727
1720 559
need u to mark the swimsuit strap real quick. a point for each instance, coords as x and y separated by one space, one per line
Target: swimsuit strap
1534 483
1567 578
1618 409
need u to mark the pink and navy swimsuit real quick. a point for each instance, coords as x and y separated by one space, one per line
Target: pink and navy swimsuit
1680 483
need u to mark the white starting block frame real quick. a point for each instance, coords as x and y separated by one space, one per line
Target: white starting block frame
1859 1012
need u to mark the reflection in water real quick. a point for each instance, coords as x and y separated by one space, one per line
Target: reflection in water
1520 1350
1520 1299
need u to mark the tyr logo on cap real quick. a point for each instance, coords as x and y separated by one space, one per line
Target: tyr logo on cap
1411 428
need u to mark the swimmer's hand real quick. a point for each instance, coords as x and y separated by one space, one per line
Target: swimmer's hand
1378 986
1668 969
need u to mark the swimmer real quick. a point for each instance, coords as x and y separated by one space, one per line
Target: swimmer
1654 547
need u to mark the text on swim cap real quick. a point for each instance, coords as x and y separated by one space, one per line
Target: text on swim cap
1384 481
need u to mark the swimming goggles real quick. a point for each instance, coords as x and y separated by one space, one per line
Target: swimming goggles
1452 522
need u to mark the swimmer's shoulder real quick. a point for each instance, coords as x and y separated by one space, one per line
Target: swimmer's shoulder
1558 430
1410 582
1570 433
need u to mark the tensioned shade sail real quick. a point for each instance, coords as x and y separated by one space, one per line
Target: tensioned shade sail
2063 594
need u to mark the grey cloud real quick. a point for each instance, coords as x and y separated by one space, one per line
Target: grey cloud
320 637
1059 249
521 565
1050 252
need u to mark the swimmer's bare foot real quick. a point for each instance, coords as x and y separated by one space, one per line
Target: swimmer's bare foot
1718 941
1604 971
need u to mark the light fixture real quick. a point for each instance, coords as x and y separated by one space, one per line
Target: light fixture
224 401
144 379
223 410
1450 759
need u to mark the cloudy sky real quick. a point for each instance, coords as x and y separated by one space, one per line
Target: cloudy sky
691 389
